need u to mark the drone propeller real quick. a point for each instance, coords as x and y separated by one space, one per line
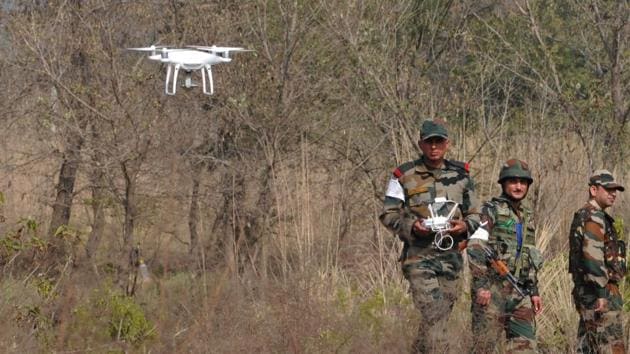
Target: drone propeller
215 49
145 49
157 52
152 48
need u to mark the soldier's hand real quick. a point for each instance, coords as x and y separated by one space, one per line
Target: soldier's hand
458 227
537 304
421 230
483 297
601 305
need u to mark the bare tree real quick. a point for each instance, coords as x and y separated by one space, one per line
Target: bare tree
65 68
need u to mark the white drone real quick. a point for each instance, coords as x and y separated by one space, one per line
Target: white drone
440 224
190 58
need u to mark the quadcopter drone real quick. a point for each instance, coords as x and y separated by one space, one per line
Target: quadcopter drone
440 224
190 58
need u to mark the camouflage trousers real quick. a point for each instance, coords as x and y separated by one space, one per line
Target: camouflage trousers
599 332
507 314
433 282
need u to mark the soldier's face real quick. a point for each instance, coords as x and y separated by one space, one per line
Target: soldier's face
604 197
434 148
516 188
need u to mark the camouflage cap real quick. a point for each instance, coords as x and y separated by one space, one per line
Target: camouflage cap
605 179
514 168
431 128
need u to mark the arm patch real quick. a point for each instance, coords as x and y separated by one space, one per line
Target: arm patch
395 190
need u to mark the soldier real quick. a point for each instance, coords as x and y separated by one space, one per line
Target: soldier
432 273
506 238
597 263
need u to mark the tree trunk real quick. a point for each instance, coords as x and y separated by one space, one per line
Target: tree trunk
98 224
620 112
193 213
98 198
70 164
129 204
63 201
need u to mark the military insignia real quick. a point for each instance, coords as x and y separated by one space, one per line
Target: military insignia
508 224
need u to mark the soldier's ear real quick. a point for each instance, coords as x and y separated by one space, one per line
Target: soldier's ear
592 191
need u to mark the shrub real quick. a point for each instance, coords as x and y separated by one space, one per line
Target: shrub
111 314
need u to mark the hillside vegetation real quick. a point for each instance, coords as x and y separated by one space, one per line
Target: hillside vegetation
255 210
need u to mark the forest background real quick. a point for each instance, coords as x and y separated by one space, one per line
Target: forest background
256 210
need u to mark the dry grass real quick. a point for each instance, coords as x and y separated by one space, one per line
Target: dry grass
307 268
334 284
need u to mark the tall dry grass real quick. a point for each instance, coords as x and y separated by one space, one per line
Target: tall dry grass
334 283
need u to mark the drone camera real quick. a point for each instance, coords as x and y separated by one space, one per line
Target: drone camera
188 82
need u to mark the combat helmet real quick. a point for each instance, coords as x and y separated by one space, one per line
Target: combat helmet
514 168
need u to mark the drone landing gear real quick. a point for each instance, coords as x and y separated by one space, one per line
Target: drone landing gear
207 69
169 69
208 84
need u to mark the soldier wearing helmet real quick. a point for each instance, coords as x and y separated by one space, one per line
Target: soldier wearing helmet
432 271
507 232
597 263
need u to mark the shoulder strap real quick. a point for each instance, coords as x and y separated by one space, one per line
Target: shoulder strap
400 170
459 165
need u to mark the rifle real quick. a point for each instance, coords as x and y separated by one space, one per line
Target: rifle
500 267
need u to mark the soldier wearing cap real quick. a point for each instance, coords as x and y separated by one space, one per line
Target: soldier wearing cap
507 233
597 263
432 271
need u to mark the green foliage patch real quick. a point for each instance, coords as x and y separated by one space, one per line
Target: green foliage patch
106 317
125 319
24 237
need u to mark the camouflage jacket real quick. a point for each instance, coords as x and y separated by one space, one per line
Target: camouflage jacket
413 186
597 255
510 232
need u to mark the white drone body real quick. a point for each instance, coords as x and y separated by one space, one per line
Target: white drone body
441 224
190 58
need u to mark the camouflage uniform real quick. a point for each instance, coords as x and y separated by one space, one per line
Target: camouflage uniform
508 229
432 274
597 263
